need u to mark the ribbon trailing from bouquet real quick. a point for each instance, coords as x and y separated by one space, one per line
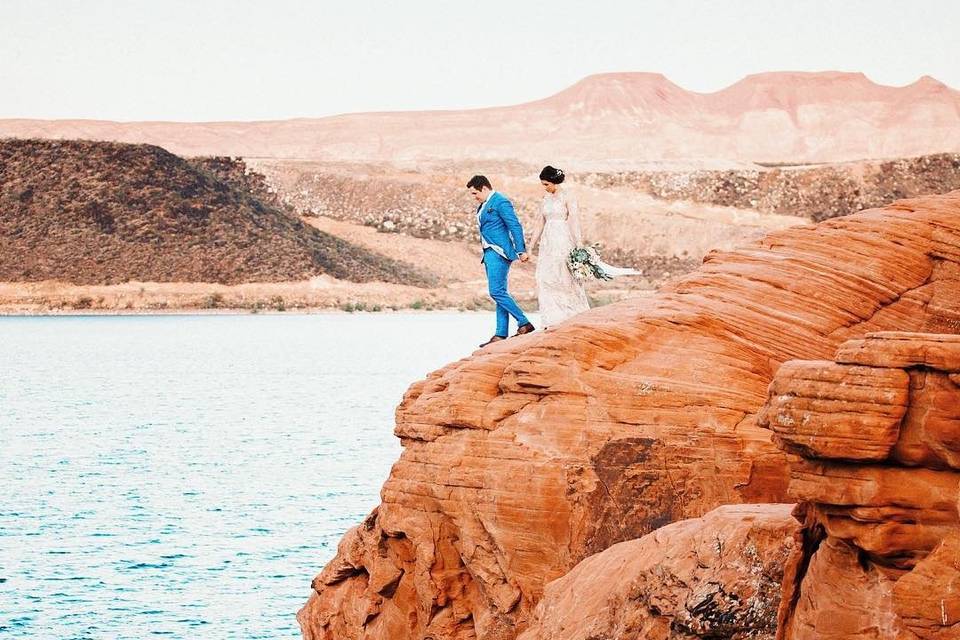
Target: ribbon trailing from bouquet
585 264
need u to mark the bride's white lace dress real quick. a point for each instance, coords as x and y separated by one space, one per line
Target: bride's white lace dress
560 295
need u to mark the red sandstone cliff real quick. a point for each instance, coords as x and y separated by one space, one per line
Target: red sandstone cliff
878 555
524 459
879 489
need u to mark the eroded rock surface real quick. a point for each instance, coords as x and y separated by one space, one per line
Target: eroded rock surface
526 458
712 577
878 485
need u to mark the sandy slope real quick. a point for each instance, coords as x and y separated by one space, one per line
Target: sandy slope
449 261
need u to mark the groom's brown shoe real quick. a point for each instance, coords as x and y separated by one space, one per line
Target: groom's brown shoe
492 340
525 329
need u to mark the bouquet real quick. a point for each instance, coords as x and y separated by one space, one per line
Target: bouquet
585 263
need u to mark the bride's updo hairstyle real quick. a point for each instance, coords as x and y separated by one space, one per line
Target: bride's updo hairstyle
552 174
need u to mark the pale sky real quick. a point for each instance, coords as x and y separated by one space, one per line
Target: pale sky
272 59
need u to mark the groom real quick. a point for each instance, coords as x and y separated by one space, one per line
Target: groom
502 239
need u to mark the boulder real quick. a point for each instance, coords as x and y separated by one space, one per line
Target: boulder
712 577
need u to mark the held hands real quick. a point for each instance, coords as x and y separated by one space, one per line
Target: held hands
523 257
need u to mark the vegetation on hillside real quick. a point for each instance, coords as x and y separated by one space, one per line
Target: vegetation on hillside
103 213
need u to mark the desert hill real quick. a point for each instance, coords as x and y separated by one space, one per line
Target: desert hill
103 213
608 120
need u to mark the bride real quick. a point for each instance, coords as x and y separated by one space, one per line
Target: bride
558 233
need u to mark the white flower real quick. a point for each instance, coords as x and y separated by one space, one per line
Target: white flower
584 264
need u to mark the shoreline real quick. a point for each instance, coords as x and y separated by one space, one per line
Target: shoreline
66 313
320 294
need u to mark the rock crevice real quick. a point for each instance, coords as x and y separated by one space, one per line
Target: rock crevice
879 506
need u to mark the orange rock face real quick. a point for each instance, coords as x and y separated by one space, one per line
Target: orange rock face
826 410
715 576
533 454
878 486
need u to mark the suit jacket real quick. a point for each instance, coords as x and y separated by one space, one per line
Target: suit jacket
499 226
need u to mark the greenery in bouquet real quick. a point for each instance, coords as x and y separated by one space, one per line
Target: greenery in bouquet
585 264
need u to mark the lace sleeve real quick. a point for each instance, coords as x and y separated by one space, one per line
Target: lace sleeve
573 219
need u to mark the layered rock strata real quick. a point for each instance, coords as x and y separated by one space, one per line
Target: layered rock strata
878 485
533 454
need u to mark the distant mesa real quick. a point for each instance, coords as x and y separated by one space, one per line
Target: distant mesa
104 213
605 120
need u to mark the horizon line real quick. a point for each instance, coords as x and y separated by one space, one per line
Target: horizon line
649 74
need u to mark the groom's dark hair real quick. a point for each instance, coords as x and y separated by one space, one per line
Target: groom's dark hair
479 182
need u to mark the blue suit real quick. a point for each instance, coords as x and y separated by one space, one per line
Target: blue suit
500 227
502 237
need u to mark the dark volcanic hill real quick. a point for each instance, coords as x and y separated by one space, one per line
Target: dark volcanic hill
103 213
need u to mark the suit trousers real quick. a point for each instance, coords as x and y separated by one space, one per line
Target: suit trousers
498 268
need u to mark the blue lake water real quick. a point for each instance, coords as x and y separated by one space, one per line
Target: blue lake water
186 476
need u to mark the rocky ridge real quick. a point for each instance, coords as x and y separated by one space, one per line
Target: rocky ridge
813 192
237 173
526 458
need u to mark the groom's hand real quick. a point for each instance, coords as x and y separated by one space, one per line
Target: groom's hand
522 257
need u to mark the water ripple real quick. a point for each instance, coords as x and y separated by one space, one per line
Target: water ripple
186 477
